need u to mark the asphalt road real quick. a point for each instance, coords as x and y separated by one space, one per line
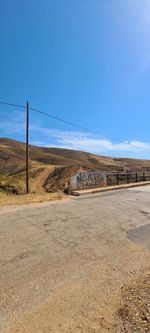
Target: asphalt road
62 264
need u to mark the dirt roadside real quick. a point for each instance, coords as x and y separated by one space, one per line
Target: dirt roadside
134 312
15 200
83 307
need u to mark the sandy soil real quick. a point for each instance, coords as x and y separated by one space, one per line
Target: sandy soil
6 200
134 312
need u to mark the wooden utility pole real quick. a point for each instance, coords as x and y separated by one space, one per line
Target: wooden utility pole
27 148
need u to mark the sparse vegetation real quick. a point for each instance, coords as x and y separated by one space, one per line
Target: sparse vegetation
12 165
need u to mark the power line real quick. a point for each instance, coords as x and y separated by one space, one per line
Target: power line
67 122
12 104
62 120
88 130
76 125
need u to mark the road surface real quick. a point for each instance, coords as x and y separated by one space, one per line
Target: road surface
63 264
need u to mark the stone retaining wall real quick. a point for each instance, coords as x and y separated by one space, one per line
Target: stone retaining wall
88 179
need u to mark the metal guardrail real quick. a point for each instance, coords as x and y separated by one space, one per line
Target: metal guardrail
119 178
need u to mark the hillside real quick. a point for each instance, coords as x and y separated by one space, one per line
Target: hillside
43 161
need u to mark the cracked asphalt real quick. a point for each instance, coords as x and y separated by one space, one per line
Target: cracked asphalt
62 264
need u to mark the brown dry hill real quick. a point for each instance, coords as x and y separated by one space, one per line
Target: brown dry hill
44 160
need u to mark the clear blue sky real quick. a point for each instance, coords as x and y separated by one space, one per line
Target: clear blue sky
87 61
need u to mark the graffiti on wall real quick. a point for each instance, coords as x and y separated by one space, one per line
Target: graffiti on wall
88 179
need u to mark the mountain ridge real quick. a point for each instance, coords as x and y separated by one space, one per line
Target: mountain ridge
12 162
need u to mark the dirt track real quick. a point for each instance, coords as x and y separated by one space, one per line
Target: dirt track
63 264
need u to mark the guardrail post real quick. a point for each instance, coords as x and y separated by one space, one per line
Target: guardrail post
136 175
117 178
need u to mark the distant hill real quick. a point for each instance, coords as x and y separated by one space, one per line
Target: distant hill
12 161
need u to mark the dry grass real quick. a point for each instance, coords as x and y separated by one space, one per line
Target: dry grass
44 160
6 200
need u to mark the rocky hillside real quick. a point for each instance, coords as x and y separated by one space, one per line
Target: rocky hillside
43 161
